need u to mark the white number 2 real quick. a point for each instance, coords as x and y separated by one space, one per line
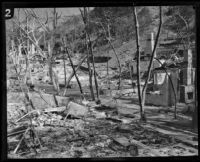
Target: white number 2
8 13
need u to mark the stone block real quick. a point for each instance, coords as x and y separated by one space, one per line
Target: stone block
76 110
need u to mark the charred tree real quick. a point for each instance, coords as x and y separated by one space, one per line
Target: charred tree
142 113
74 71
77 68
91 54
84 18
152 59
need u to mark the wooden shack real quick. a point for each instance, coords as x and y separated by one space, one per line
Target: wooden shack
162 92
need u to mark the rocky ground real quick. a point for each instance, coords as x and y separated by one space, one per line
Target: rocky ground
112 129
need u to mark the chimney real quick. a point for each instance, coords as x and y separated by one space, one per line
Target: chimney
149 44
187 71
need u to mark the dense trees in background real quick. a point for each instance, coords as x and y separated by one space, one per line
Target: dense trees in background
179 20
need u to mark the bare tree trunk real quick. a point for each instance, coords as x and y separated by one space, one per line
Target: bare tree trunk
54 18
89 69
152 58
64 70
53 75
44 35
195 113
79 84
27 61
27 53
108 78
94 71
49 62
72 74
90 73
91 54
84 17
142 112
63 52
56 82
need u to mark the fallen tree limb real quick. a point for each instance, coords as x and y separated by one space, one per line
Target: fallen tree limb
56 109
26 115
16 133
17 129
21 140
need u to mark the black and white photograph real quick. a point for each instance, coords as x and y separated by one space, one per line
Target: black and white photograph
101 82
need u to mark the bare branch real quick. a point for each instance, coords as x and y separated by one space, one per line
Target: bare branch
43 25
42 53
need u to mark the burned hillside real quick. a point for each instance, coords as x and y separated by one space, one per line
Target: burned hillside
102 82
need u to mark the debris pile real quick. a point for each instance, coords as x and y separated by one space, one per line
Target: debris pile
88 130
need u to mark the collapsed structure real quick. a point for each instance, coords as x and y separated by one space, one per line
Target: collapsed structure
168 79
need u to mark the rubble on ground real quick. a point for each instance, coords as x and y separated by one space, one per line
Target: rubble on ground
91 131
